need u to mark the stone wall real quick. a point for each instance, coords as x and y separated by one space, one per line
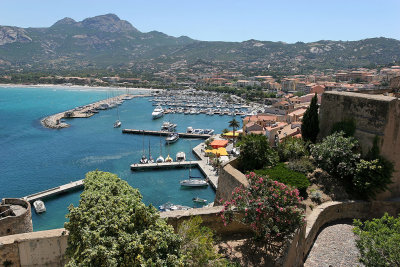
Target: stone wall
374 115
229 178
44 248
21 223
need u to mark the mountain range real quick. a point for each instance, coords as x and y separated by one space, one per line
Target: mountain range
106 41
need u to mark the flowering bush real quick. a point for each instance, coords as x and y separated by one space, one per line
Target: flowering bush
272 209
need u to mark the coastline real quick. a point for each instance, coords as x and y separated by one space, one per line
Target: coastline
75 87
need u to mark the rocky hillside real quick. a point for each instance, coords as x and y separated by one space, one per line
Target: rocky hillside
109 42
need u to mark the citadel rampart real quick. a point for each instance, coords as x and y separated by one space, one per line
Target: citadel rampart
374 115
15 217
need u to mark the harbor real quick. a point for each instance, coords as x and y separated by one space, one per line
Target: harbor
55 121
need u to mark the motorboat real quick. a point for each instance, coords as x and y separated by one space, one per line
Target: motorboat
170 207
117 124
168 126
172 138
199 200
208 131
194 182
189 129
158 112
180 156
39 206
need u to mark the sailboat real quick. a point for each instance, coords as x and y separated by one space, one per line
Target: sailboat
150 160
143 159
160 159
117 123
193 181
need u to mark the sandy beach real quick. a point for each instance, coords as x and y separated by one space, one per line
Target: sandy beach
76 87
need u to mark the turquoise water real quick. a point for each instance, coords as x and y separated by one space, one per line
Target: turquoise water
33 158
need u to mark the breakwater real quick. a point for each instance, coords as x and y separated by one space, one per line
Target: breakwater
165 133
55 121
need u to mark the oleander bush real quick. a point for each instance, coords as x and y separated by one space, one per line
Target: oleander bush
284 175
272 209
378 241
291 149
256 153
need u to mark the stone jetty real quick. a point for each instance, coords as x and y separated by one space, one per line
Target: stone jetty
55 121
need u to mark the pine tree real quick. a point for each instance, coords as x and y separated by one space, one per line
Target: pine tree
310 125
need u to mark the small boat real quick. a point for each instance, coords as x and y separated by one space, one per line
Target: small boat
168 126
168 159
180 156
160 159
199 200
158 112
39 206
117 124
194 182
170 207
189 129
172 138
143 160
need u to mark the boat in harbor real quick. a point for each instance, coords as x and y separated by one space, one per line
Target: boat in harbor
180 156
160 158
150 159
39 206
170 207
168 159
194 182
199 200
168 126
172 138
117 124
158 112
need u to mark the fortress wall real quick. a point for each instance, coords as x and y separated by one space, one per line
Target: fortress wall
21 223
374 115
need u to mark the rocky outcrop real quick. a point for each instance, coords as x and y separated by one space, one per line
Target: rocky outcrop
10 35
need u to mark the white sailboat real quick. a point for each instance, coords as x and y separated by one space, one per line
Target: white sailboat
193 181
160 159
117 123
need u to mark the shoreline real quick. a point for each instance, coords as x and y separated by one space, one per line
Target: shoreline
74 87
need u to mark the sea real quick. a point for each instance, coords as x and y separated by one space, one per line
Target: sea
34 158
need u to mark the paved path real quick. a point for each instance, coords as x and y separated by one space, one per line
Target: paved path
335 246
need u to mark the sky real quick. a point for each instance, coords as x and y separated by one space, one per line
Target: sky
222 20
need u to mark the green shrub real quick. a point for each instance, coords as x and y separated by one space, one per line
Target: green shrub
303 165
337 155
113 227
347 126
284 175
198 244
256 153
379 241
291 148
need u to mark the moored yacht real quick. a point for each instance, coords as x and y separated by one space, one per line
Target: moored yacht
158 112
172 138
168 126
194 182
39 206
180 156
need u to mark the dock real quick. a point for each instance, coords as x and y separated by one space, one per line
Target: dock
164 133
207 170
72 186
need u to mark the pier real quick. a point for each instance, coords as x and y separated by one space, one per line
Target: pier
207 170
54 121
164 133
72 186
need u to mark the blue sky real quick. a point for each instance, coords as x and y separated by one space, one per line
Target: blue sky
222 20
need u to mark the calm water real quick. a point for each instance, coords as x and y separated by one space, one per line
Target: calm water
33 158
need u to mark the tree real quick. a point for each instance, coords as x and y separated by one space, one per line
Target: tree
291 148
256 153
378 241
113 227
234 124
310 124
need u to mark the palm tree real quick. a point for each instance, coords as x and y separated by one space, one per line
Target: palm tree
234 124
